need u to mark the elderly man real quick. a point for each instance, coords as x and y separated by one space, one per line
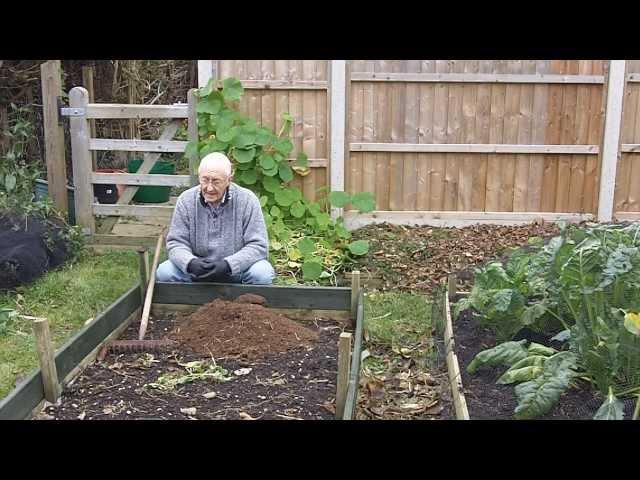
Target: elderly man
217 232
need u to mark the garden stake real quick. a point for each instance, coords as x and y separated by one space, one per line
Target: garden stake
355 291
344 366
47 359
152 280
143 258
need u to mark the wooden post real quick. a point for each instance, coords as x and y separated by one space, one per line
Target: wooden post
355 291
338 115
207 69
611 139
192 129
452 285
47 359
51 76
344 367
87 82
143 260
134 123
81 159
149 293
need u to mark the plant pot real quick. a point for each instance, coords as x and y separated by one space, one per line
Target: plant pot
153 194
108 193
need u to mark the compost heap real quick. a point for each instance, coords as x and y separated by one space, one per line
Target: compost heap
241 329
28 248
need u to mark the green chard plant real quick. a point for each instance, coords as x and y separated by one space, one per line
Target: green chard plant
585 283
305 242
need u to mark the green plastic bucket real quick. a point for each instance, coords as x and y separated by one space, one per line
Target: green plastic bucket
153 194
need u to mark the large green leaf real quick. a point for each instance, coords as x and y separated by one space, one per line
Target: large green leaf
227 134
359 247
284 197
271 173
232 89
533 312
306 246
192 149
207 89
311 270
283 146
263 136
297 209
285 172
244 139
244 156
518 375
275 211
538 396
211 104
267 162
9 182
250 177
364 202
538 349
611 409
323 220
339 199
506 354
270 184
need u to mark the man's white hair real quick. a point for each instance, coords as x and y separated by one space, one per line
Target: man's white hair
215 161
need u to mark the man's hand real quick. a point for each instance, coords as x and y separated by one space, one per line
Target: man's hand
220 271
200 266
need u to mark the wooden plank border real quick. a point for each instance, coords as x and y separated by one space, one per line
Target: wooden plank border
453 367
21 402
124 110
277 296
475 78
354 377
354 220
475 148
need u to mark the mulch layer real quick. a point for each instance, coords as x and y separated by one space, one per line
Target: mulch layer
419 258
288 372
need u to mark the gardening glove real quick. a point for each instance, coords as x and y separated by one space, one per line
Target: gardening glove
199 266
220 271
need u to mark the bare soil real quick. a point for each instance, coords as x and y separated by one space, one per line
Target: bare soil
285 372
241 330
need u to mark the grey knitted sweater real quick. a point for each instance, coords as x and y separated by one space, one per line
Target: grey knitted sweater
234 230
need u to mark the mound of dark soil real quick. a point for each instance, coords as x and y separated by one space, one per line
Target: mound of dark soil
28 248
241 330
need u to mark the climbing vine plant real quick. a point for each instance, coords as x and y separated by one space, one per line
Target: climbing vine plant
305 242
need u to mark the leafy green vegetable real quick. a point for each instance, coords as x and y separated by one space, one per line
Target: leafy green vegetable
611 409
506 354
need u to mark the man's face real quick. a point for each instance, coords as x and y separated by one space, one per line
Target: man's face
213 184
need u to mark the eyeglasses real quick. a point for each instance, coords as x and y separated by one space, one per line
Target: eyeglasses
216 182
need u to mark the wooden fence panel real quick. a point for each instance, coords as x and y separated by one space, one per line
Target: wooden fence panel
398 107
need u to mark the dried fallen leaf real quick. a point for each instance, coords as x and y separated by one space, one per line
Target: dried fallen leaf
246 416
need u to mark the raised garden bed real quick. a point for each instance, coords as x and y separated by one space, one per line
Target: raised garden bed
298 381
488 400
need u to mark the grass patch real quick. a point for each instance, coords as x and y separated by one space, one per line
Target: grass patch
397 318
68 297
